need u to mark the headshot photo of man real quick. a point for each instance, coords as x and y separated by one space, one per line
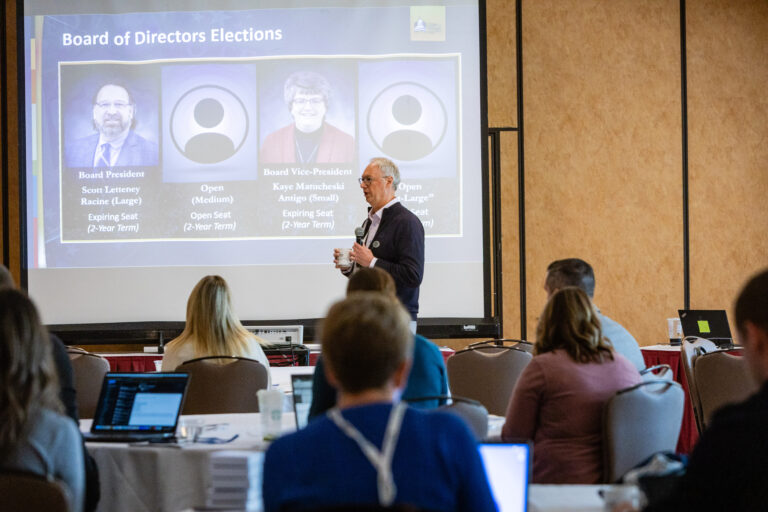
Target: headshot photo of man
115 143
309 138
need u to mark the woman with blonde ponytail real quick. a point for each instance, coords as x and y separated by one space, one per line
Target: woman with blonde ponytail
212 328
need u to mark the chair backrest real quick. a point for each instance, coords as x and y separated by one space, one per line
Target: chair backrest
638 422
487 374
28 492
657 372
474 414
721 379
691 348
88 370
223 384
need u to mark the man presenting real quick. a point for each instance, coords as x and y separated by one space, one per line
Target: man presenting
115 144
394 236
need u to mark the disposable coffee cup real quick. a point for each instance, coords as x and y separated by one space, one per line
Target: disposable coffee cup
675 331
271 412
343 259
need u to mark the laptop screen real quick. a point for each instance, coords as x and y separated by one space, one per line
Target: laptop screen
302 398
147 403
711 324
508 466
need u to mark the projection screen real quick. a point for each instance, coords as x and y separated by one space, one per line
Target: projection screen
212 176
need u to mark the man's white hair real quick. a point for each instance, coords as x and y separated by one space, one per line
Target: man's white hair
387 168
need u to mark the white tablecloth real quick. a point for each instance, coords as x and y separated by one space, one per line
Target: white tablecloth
170 478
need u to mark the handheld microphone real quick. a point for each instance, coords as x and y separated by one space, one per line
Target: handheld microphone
359 235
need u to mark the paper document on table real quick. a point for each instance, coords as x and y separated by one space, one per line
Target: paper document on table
235 478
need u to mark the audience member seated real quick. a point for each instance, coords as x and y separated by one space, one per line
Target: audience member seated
427 377
212 328
579 273
724 471
371 449
35 435
558 401
68 397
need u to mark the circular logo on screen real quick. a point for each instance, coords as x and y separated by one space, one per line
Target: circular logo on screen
407 121
209 124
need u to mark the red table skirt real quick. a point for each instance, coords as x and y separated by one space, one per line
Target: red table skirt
688 433
146 362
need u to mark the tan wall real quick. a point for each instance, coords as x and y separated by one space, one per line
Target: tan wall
728 131
603 150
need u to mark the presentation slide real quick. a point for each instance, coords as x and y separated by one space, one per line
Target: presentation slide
165 143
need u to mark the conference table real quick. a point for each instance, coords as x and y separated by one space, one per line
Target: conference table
177 477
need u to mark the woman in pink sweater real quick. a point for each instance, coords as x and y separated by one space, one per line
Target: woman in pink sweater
558 401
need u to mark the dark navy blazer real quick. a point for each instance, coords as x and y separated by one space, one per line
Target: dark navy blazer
399 249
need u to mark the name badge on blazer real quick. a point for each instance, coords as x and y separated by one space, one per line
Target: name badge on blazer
375 244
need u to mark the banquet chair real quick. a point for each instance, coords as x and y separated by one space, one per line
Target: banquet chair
223 384
474 414
657 372
487 373
21 491
88 370
507 342
692 348
721 379
639 421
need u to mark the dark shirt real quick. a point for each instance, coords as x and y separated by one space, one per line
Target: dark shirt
435 465
725 471
399 249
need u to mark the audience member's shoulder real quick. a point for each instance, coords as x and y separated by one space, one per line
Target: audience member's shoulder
623 361
422 343
55 425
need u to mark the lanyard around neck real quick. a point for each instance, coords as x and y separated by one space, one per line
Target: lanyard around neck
381 460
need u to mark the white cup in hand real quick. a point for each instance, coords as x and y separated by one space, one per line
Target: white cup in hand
343 260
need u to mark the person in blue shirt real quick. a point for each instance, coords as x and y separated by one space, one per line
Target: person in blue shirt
371 449
428 377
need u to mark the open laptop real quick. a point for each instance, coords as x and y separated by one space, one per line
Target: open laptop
138 407
711 324
508 466
302 398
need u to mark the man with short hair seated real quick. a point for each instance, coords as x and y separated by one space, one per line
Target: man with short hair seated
371 449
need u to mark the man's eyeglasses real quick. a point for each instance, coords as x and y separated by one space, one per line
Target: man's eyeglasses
119 105
367 180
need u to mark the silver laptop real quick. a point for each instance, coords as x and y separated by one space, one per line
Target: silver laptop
138 407
508 466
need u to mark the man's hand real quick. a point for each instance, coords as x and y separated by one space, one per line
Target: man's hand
361 255
336 256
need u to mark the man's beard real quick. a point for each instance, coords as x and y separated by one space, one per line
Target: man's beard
113 126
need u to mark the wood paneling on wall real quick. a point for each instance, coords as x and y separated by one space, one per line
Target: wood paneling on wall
603 153
502 70
728 145
11 134
510 239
